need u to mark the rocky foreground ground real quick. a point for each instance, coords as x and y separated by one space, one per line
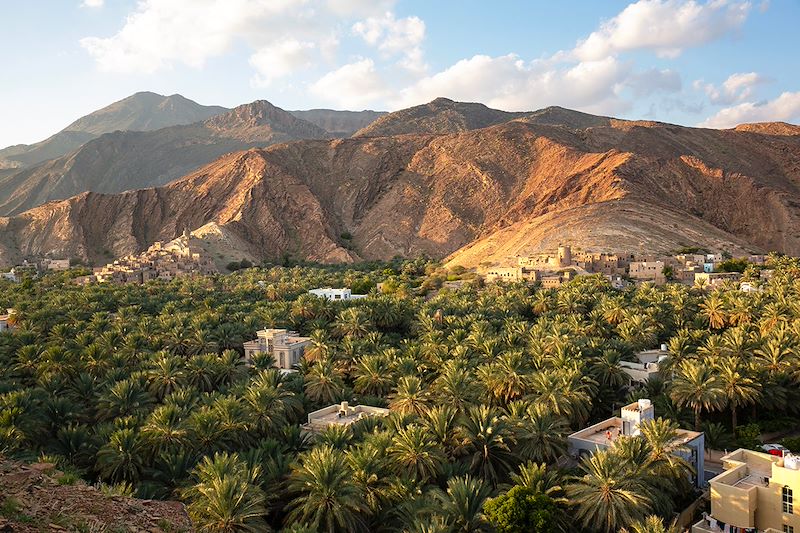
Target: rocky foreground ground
37 497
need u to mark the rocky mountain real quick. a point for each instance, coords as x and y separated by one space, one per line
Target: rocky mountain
339 123
143 111
475 195
125 160
440 116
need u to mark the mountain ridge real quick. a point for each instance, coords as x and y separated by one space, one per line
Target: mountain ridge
472 196
125 160
142 111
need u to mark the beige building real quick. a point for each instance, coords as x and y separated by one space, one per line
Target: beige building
690 445
714 279
754 493
647 271
504 274
57 265
341 415
286 347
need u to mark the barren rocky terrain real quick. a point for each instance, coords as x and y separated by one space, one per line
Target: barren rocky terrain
475 195
125 160
38 497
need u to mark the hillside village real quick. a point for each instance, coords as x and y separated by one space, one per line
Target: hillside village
552 269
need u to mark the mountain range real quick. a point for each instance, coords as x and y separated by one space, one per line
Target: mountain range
446 179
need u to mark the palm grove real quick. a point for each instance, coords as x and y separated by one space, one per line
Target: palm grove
142 389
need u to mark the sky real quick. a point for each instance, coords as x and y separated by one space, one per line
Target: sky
714 63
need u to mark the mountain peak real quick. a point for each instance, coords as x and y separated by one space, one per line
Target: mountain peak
264 116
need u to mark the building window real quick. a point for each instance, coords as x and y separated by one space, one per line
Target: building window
788 529
788 500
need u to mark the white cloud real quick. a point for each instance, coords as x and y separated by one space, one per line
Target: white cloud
355 85
160 34
281 59
510 83
737 88
392 36
92 3
665 26
785 107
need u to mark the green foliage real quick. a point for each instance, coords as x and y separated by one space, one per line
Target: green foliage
144 388
793 443
732 265
521 510
748 436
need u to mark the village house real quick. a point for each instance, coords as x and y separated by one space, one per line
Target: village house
340 415
647 271
690 445
55 265
713 279
163 261
647 364
285 346
754 493
336 294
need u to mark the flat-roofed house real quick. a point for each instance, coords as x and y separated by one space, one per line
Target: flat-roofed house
341 415
690 445
336 294
647 271
754 493
286 347
647 364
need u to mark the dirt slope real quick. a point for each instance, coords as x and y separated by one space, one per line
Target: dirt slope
33 500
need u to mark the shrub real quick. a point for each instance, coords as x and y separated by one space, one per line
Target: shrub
748 436
521 510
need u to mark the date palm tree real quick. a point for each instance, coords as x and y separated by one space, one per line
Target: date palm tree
485 440
226 497
738 387
323 383
606 497
462 504
410 396
121 458
372 376
327 499
541 435
697 386
414 454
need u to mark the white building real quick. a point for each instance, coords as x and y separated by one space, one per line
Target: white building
689 445
10 276
286 347
336 294
341 415
647 364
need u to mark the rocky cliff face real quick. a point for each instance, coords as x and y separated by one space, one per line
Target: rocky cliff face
126 160
478 195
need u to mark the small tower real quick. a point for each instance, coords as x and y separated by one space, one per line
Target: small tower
564 256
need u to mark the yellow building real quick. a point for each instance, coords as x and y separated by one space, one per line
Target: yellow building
754 493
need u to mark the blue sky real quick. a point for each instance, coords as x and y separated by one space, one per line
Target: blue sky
712 63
